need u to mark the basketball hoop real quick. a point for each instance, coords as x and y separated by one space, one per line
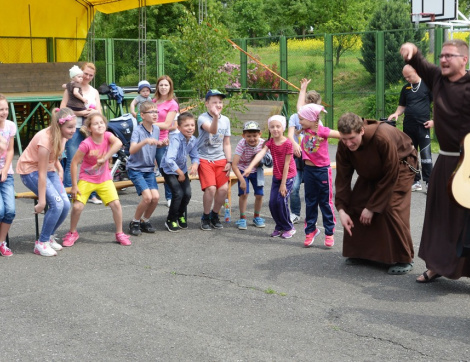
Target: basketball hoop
418 17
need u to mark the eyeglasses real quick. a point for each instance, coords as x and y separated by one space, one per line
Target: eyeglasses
151 112
450 56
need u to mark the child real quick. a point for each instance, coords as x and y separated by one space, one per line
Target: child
140 168
175 170
295 134
144 96
93 154
317 174
76 102
284 172
41 172
246 150
215 153
7 190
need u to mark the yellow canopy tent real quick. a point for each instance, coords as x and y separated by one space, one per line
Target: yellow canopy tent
27 24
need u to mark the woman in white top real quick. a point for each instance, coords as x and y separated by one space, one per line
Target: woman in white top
93 98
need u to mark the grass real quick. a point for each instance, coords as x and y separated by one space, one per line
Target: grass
352 84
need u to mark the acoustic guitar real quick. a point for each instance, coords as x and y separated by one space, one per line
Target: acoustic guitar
459 183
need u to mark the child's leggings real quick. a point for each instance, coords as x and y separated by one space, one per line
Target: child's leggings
279 205
319 193
56 199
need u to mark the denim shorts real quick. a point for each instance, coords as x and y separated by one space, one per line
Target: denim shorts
142 180
253 178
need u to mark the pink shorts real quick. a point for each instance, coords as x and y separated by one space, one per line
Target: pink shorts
211 173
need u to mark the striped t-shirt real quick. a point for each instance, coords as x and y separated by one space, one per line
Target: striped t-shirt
279 152
247 153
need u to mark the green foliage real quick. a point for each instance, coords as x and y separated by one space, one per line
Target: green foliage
339 16
392 96
203 48
251 18
389 16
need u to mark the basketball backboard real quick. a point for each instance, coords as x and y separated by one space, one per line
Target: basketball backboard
424 11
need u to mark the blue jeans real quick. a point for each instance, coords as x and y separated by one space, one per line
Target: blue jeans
158 156
58 204
71 147
319 193
7 201
295 204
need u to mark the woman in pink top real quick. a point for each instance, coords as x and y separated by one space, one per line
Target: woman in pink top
167 109
93 155
42 173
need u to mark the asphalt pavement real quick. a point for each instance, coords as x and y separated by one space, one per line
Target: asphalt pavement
220 295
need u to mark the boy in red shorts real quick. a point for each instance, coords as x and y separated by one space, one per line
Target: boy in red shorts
215 156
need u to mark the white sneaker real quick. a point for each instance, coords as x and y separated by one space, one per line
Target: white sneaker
416 186
54 244
95 200
294 218
168 203
44 249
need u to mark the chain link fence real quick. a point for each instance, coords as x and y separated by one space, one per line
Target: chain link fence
352 71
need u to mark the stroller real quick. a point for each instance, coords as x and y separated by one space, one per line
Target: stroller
122 128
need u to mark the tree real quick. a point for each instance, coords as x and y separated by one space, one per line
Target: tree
250 15
343 16
393 17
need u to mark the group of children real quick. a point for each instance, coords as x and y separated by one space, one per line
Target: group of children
210 157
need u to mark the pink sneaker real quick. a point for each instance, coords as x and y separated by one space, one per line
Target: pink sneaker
310 238
288 234
5 250
329 241
276 234
70 238
123 239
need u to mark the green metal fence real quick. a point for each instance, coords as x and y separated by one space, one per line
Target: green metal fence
352 71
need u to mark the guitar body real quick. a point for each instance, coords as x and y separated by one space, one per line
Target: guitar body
459 182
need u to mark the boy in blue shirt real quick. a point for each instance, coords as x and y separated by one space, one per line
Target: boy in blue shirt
140 168
175 170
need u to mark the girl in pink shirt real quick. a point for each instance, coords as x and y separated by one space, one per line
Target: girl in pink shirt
284 171
93 155
317 174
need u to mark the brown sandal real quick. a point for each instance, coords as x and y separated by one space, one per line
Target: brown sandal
426 277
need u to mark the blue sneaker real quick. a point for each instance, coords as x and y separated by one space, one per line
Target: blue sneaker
241 224
259 222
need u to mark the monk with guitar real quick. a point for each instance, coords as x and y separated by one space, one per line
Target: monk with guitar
446 222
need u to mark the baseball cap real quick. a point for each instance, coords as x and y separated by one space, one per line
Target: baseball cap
251 126
214 92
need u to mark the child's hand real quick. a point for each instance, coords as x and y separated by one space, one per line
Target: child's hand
193 169
304 83
297 150
74 192
214 110
228 168
99 162
181 178
283 190
243 185
247 172
4 174
153 141
39 207
166 142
